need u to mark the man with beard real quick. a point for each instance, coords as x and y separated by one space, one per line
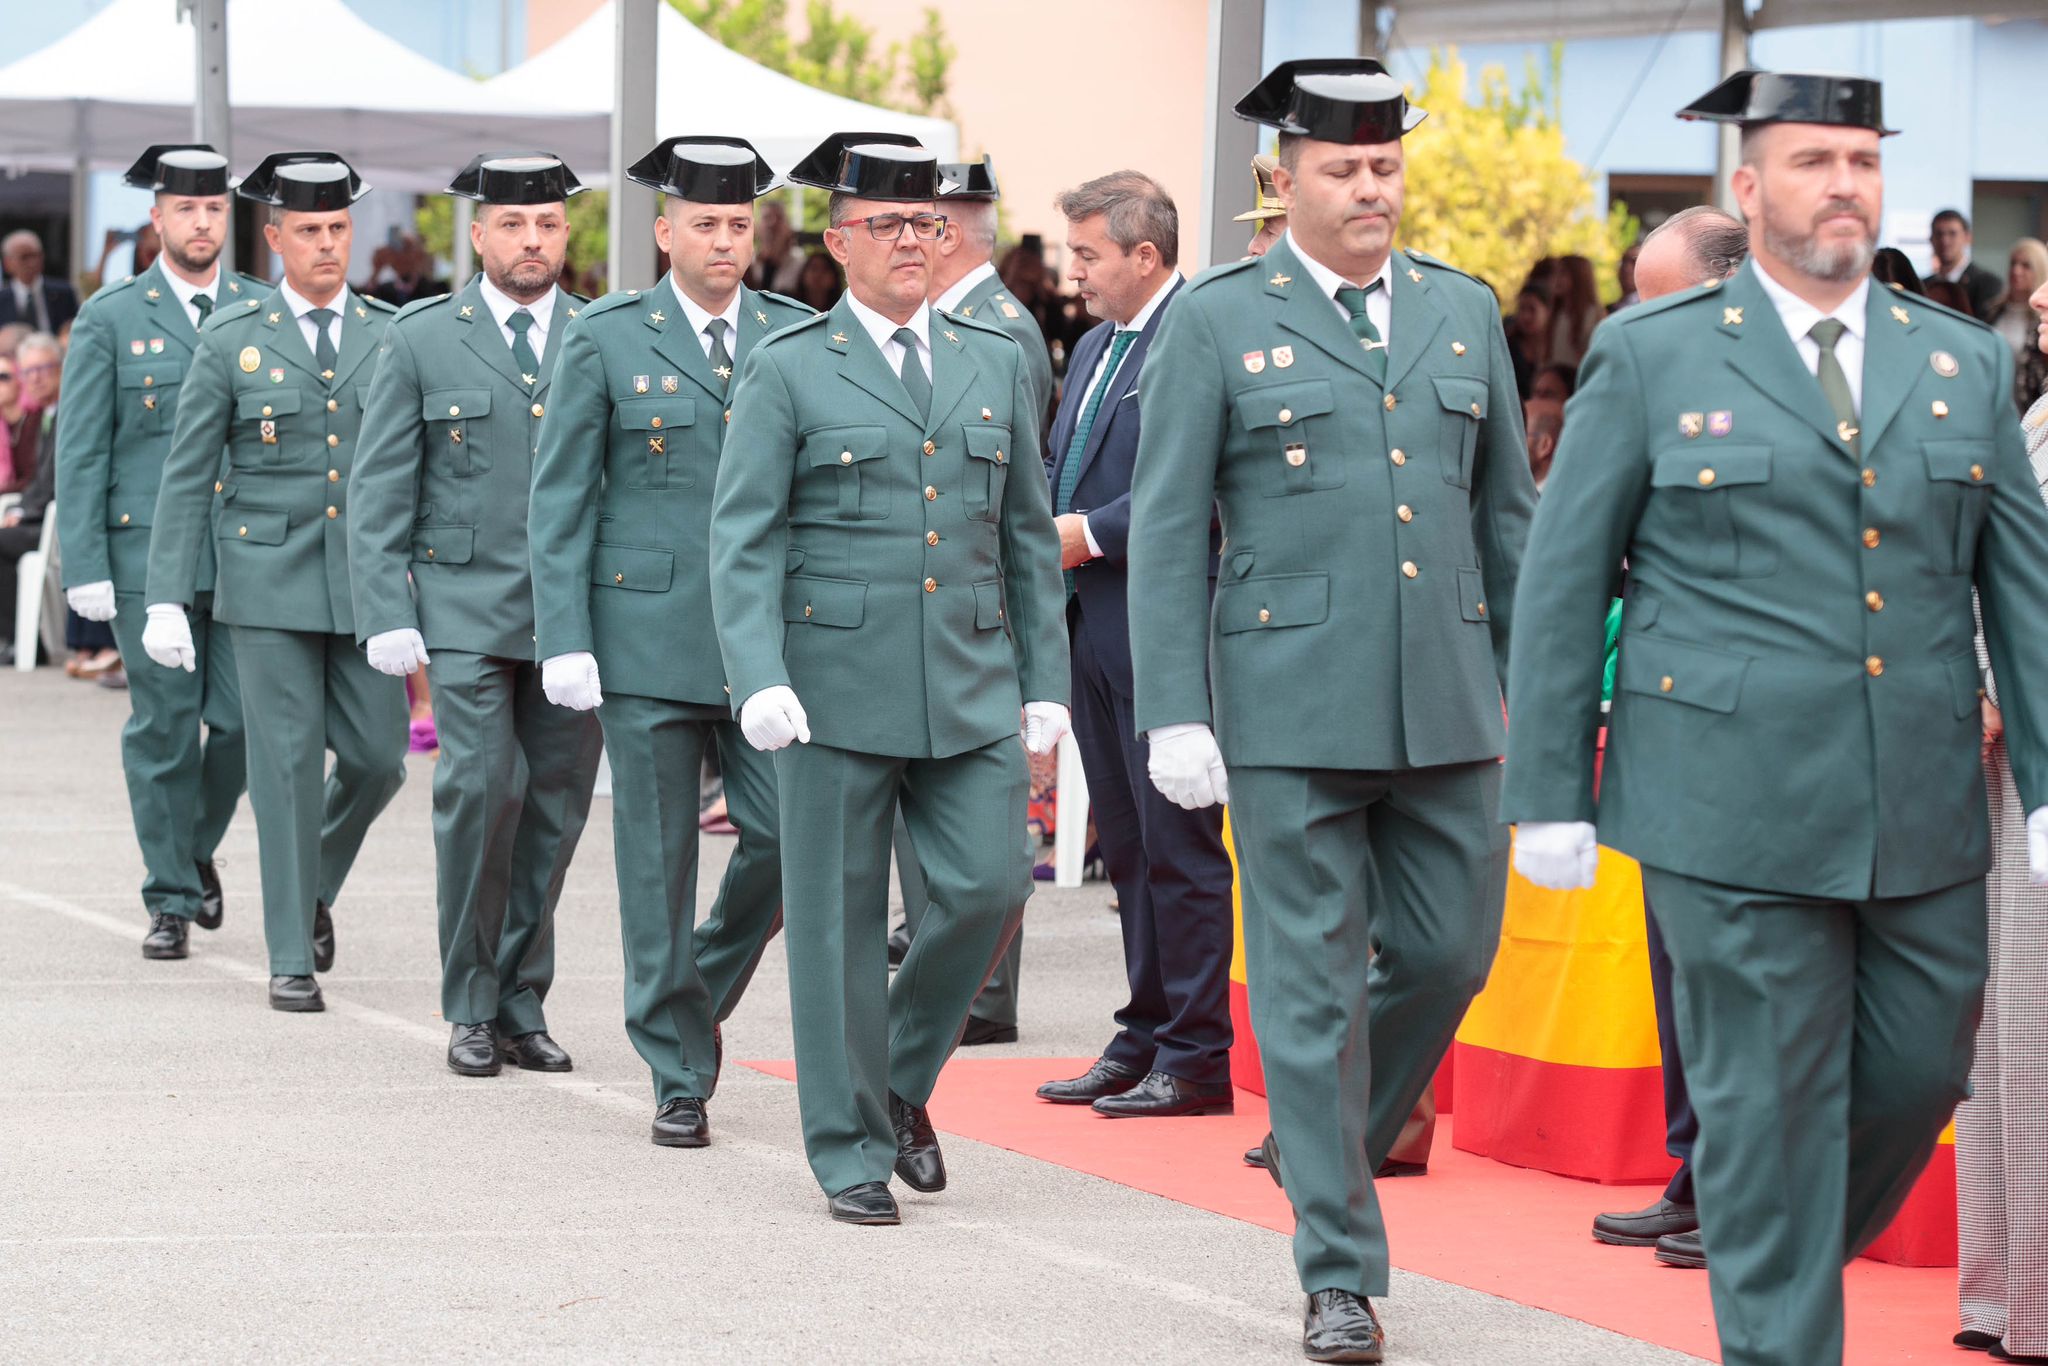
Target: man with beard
621 514
131 347
1350 410
440 497
1807 477
280 381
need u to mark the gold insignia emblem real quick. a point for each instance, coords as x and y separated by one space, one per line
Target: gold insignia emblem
530 379
1457 348
657 444
362 312
1944 364
1279 279
250 360
1415 275
572 312
455 436
1900 314
760 317
1940 408
327 374
1846 432
274 319
639 384
668 384
722 371
1691 425
1731 317
657 316
950 335
468 310
967 312
149 403
154 294
234 288
1010 310
1283 356
839 338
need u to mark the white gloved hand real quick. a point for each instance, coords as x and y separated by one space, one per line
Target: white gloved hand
2037 846
1560 855
1044 724
1186 765
571 681
93 601
772 719
397 653
167 637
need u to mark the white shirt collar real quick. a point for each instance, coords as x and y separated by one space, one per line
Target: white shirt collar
300 305
881 329
184 289
1143 316
949 302
700 318
1799 316
1956 275
503 305
1329 281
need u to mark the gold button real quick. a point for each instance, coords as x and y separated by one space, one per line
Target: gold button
332 406
654 422
148 381
930 447
241 531
266 410
1475 410
1265 615
1976 472
1665 684
1390 403
728 416
1869 478
332 513
1482 609
333 440
538 411
1398 456
846 457
621 578
1874 600
1874 666
930 493
1405 513
1408 568
430 552
455 410
931 585
124 519
1706 478
999 457
987 416
807 609
931 538
334 476
1286 415
1871 538
1940 408
218 486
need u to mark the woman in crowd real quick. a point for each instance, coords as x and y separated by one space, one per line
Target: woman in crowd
818 284
1529 333
2002 1130
2025 271
1893 268
1574 308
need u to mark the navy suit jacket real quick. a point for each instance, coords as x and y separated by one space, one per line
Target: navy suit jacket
58 296
1104 490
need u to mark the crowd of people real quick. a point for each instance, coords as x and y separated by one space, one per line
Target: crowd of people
288 503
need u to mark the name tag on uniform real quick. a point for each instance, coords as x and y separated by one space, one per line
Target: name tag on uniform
1296 454
269 430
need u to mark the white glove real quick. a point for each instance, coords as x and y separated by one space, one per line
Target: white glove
167 637
571 681
772 719
1186 765
2037 845
397 653
1560 855
93 601
1044 724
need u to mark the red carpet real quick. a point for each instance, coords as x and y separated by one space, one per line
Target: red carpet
1518 1234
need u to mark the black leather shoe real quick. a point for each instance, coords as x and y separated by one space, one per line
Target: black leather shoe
295 993
980 1031
1682 1249
682 1124
166 937
535 1052
1394 1167
1340 1326
918 1159
899 945
473 1050
1999 1353
1975 1341
867 1203
1643 1227
1105 1078
1269 1149
211 906
1161 1094
323 937
1256 1157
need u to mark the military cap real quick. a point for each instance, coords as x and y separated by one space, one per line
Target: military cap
303 182
516 178
180 168
969 180
1751 98
705 170
885 166
1332 99
1265 199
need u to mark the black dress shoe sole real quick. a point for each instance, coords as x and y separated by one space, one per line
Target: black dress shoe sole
1601 1235
920 1187
1075 1100
1346 1354
323 963
308 1006
1390 1170
208 922
462 1069
148 951
1689 1261
662 1140
975 1037
866 1220
1225 1106
511 1058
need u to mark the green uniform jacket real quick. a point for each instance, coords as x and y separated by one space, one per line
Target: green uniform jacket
621 515
442 484
902 574
1372 534
1795 706
130 349
282 529
990 302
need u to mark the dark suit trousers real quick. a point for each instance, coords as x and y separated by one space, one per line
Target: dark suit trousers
1172 879
1681 1125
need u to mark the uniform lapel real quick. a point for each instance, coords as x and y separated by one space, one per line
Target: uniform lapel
1890 370
953 372
169 316
358 338
1122 382
1761 351
482 335
1306 311
287 338
1416 318
861 362
567 306
676 341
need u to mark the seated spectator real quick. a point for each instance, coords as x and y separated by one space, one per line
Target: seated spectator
21 526
37 365
10 410
1529 334
1555 381
1544 420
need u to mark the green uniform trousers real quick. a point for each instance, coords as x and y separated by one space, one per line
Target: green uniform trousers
304 693
1372 910
511 794
858 1034
679 983
997 1002
1826 1044
182 789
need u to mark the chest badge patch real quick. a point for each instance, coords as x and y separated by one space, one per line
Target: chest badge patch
277 376
1721 423
250 360
668 384
268 430
156 346
136 348
1254 362
1691 425
1283 356
639 384
1944 364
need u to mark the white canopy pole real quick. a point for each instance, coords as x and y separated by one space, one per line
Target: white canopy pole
1728 143
632 133
462 256
210 90
1237 30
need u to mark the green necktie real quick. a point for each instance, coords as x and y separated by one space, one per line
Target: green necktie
204 303
915 380
721 359
1353 299
522 349
323 347
1070 469
1835 384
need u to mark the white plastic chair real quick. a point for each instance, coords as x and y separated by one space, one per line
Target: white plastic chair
29 595
1070 817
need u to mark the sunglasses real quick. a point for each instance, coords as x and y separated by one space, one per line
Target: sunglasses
888 227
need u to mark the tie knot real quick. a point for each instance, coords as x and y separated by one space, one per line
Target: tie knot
204 303
519 321
715 330
1827 332
906 338
1353 298
321 317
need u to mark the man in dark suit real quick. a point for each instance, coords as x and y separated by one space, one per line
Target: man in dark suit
1950 237
1172 876
44 304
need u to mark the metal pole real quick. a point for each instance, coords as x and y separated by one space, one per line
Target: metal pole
632 206
1734 57
210 89
1236 48
462 258
81 185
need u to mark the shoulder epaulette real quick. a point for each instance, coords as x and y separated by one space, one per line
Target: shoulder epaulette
372 301
248 283
421 306
801 308
1910 301
976 324
1664 303
605 303
228 317
1426 259
1224 271
113 287
782 334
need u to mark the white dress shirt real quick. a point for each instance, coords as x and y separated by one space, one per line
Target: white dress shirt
1379 305
186 291
1955 277
503 306
883 331
301 306
30 305
1799 317
949 302
701 318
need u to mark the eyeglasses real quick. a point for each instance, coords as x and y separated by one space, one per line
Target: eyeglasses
45 368
888 227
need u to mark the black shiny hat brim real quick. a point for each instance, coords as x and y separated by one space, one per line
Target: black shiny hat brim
968 180
550 181
838 165
671 169
265 184
1752 98
1280 101
150 173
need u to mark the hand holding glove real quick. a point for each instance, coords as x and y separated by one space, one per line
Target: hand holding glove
167 637
571 681
1560 855
397 653
93 601
773 719
1186 765
1044 725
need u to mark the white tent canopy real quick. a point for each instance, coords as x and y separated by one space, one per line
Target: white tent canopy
702 87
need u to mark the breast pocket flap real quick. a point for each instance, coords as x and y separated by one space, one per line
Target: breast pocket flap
257 526
1271 602
278 402
1466 397
636 568
154 375
454 405
656 414
1709 466
820 601
443 544
1960 462
988 442
843 446
1283 405
1679 672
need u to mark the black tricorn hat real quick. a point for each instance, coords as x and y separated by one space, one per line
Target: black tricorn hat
180 168
303 182
1332 99
969 180
516 178
1757 97
705 170
885 166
